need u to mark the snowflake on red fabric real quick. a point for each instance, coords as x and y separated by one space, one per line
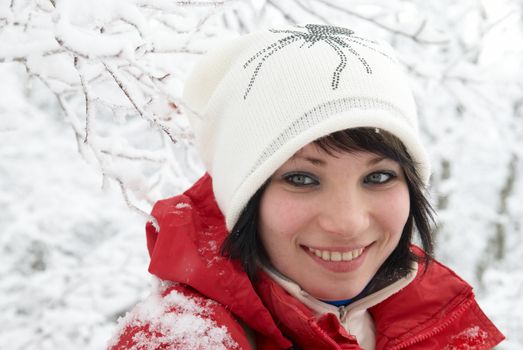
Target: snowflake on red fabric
470 339
338 38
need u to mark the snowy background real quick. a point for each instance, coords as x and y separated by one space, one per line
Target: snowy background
93 132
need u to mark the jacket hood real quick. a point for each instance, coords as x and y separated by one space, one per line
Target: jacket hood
187 250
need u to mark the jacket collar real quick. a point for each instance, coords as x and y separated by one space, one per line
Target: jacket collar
354 317
187 250
319 307
415 310
300 323
435 293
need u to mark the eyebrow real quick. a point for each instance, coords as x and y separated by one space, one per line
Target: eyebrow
314 161
376 160
321 162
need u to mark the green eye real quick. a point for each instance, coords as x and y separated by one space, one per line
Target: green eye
379 177
300 179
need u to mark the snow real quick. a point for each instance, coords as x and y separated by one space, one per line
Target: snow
73 252
469 339
175 319
89 44
182 205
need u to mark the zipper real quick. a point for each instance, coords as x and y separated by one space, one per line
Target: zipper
434 331
343 311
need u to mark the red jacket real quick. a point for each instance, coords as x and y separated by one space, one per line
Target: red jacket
213 303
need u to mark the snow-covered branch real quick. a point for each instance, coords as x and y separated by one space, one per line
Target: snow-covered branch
108 63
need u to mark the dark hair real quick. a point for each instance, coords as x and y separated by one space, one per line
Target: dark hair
244 244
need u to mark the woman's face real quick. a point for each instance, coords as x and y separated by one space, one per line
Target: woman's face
328 222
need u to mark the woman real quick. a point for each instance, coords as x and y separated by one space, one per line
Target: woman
299 236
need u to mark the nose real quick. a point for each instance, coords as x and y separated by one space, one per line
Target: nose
345 213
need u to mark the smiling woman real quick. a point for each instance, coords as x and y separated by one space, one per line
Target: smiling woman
300 234
345 216
340 226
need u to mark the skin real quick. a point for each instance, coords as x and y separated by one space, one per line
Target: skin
341 202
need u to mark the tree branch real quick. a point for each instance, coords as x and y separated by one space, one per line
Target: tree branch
87 97
311 12
147 216
152 120
415 37
288 17
476 48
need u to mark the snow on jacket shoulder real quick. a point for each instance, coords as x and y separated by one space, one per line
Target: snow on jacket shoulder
186 250
176 317
210 294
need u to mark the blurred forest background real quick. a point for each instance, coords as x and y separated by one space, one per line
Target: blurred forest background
93 132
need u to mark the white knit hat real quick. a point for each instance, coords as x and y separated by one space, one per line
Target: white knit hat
256 100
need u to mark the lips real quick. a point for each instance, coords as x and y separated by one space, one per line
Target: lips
332 255
339 260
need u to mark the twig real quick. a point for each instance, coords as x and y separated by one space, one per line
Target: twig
476 48
75 52
152 120
149 217
309 11
133 25
73 122
61 102
159 160
172 9
171 27
26 24
285 14
61 42
113 107
180 50
383 26
421 28
200 3
87 97
24 58
241 23
125 90
13 59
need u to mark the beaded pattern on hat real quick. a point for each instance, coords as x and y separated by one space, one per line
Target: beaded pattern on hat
336 37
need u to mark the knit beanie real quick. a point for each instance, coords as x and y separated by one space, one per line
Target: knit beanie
254 101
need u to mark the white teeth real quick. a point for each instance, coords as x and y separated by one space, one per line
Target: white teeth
347 256
336 256
325 255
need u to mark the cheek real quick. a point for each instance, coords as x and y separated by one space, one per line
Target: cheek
282 217
394 210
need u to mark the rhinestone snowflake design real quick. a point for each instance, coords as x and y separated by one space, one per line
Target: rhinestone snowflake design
341 40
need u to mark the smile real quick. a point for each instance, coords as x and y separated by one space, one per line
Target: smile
327 255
